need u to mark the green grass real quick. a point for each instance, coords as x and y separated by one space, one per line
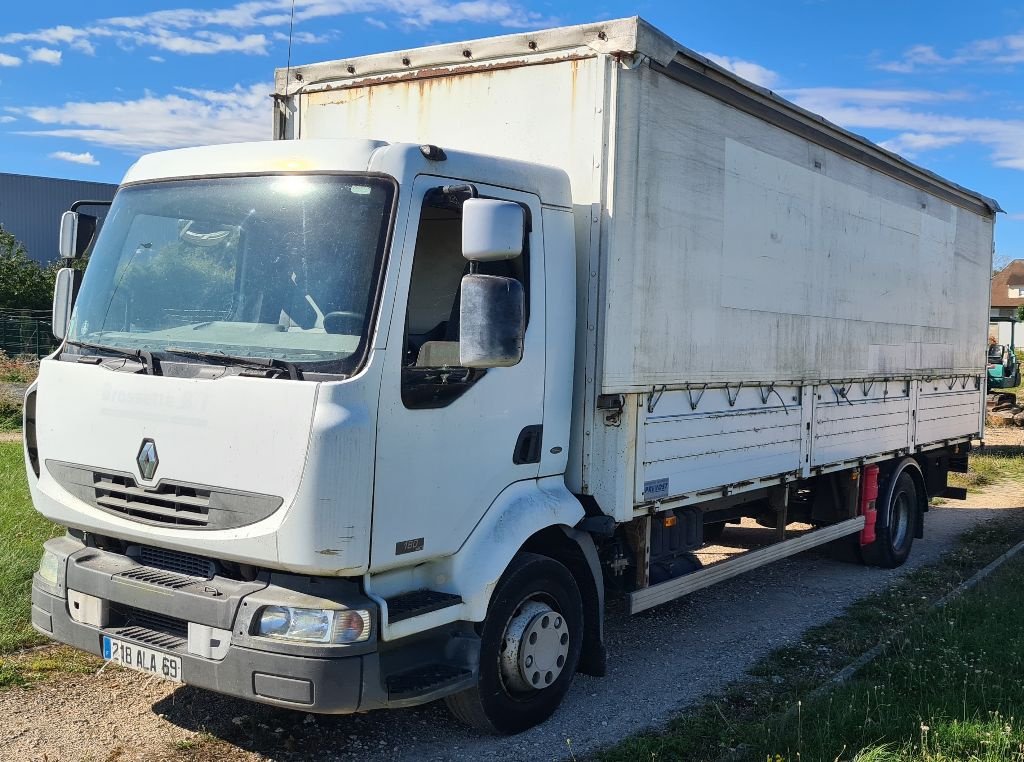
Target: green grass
22 533
952 689
10 411
990 466
740 718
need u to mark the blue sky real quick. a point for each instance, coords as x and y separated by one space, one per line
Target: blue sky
86 87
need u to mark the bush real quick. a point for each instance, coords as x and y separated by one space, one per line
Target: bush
10 411
24 283
18 370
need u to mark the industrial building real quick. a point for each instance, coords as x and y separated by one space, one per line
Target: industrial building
30 208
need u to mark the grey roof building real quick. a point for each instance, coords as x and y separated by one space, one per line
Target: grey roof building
30 208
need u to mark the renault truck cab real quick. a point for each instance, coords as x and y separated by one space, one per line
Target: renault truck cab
283 345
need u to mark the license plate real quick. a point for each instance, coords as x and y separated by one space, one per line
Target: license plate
142 659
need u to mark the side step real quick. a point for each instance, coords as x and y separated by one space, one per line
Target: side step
426 680
641 600
408 605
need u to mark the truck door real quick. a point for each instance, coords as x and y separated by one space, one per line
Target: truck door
450 439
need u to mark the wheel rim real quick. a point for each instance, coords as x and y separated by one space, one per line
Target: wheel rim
534 648
900 520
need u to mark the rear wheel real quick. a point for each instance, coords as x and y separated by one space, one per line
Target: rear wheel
895 526
529 648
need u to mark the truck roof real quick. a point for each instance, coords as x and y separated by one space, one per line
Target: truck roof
550 184
629 37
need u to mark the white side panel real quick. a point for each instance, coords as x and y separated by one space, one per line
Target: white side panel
948 408
695 441
743 252
859 420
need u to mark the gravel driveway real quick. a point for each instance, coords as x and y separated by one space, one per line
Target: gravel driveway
659 662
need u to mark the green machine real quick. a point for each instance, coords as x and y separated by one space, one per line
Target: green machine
1003 369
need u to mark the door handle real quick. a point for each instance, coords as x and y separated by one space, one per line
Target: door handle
528 445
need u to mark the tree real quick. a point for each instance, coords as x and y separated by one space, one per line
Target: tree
24 283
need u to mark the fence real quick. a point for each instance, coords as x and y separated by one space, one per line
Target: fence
26 332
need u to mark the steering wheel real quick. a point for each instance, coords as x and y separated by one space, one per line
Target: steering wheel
344 321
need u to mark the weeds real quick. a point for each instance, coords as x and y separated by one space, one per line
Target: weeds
18 370
10 411
991 465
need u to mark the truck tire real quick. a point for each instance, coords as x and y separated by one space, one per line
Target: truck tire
530 645
895 526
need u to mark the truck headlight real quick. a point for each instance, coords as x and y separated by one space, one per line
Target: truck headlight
314 625
49 567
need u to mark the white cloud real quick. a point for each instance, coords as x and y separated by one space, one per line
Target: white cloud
204 42
1016 217
76 158
749 70
306 38
912 143
239 28
157 59
44 55
859 109
1005 50
375 22
828 96
6 60
7 119
153 122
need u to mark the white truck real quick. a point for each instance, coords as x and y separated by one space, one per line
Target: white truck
374 413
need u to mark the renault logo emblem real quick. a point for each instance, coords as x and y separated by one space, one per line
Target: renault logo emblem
147 459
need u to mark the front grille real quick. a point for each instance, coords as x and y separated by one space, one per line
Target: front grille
160 577
180 504
151 628
176 561
168 503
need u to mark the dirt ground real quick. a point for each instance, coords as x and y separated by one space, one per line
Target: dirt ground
660 662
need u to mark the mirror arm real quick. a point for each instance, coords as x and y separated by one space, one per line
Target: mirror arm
74 206
465 189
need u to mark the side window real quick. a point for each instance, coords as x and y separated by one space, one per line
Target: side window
431 374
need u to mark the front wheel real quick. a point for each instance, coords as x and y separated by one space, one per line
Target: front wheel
529 647
895 526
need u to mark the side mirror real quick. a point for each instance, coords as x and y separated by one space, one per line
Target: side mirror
76 233
64 293
492 230
492 321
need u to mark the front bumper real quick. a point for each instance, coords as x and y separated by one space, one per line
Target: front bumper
323 685
328 679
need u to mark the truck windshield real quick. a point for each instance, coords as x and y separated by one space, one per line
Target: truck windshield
280 267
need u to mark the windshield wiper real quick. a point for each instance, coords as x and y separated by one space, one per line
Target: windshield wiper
143 356
258 362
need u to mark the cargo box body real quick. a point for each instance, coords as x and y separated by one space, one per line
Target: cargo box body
761 295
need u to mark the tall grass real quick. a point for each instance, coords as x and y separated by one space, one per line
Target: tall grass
22 533
18 370
952 689
992 465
